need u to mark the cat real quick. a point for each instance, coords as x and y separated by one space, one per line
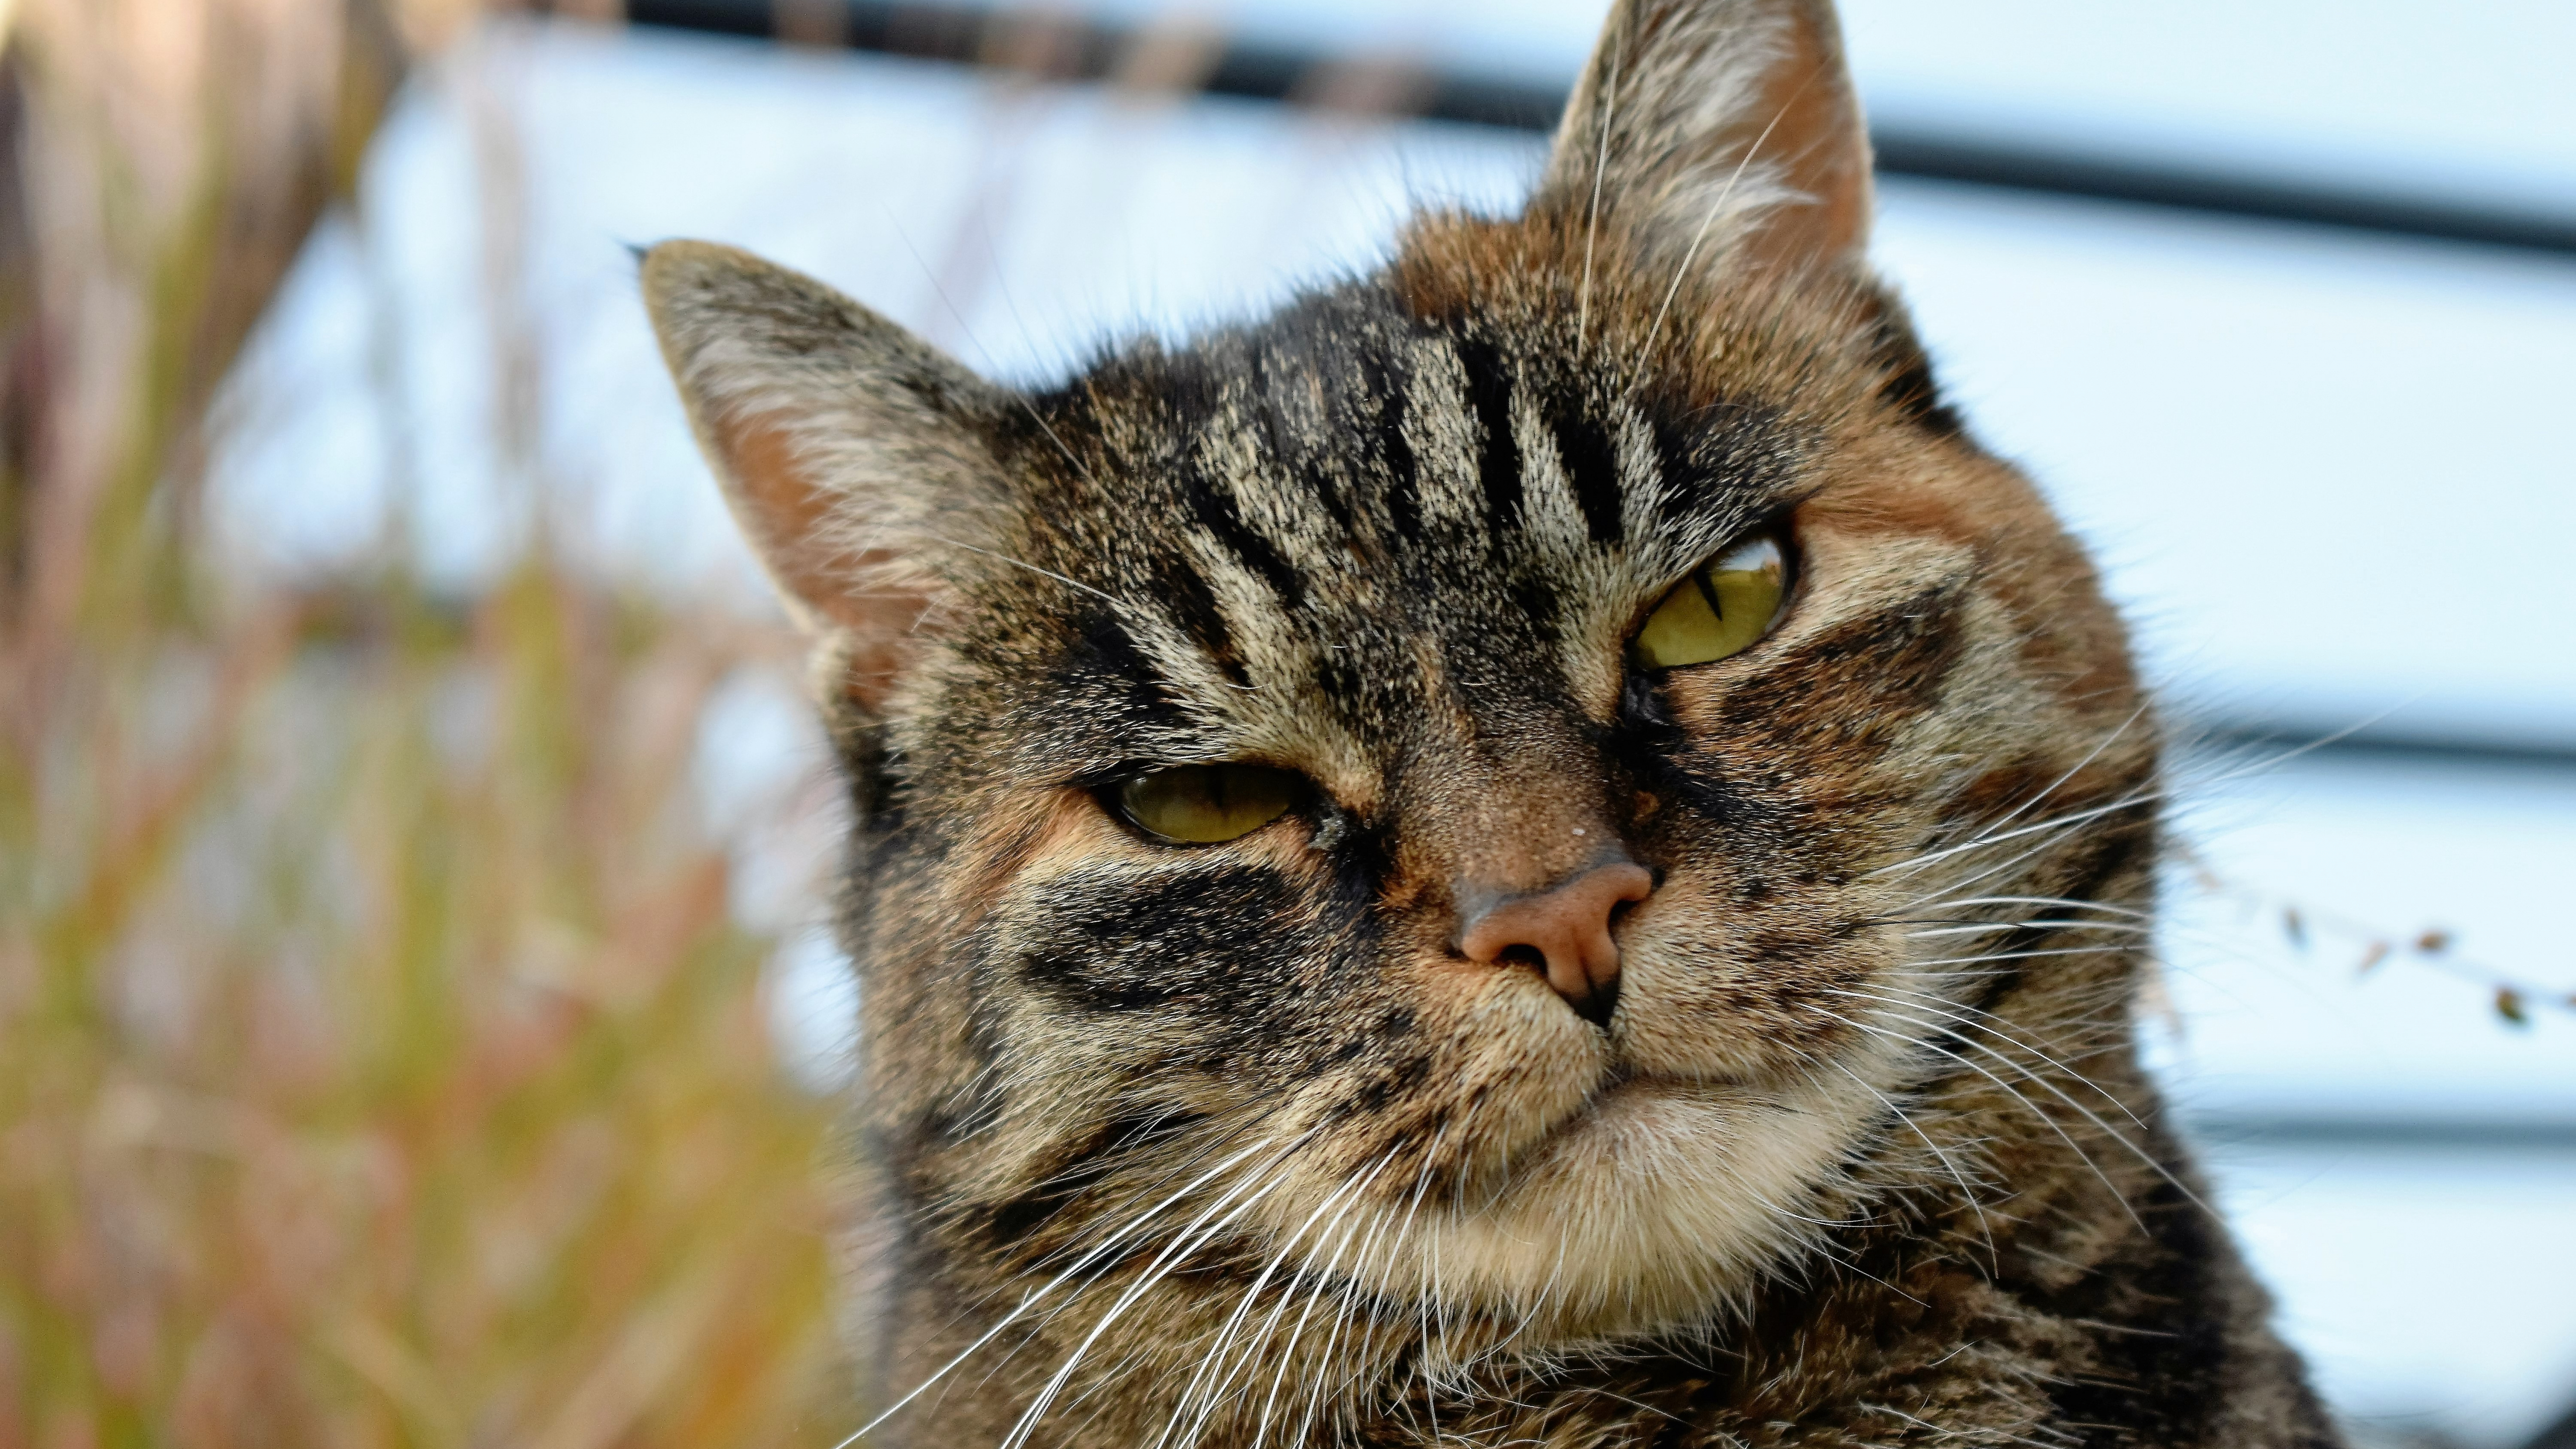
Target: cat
1537 849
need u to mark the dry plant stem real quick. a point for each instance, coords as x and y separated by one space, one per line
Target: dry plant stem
2511 996
380 1060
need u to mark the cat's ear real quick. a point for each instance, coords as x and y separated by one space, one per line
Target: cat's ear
854 454
1720 134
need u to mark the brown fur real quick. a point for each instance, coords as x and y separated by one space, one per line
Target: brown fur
1230 1145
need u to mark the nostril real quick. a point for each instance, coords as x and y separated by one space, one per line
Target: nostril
1565 933
1596 1005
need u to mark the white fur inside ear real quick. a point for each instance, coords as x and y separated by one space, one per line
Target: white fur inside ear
1740 177
1719 131
854 455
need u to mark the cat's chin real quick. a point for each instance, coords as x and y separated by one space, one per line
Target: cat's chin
1651 1209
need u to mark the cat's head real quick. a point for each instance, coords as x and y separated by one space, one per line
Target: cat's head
1473 792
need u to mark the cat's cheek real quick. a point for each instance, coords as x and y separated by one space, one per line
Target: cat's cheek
1447 1073
1018 840
1849 570
1713 990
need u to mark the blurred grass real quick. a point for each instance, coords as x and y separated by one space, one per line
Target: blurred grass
380 1060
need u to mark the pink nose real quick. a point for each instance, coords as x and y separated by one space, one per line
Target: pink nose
1566 927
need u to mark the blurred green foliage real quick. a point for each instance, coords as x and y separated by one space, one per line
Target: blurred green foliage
381 1061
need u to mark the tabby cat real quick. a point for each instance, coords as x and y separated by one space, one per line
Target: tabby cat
1538 849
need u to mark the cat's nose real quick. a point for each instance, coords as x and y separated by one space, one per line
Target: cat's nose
1565 928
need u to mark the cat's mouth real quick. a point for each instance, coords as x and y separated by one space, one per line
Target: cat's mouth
1633 1121
1627 1091
1658 1194
1624 1082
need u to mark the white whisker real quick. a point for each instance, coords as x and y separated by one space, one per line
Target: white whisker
1716 209
1189 1240
1034 1297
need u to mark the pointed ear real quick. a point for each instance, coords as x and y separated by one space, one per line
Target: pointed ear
854 455
1721 131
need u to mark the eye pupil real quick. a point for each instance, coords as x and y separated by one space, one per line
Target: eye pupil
1709 595
1208 804
1725 605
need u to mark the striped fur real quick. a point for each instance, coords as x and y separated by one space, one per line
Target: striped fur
1229 1145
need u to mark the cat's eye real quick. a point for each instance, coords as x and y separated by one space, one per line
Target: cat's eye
1721 609
1208 804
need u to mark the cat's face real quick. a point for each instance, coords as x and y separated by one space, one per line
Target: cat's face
1304 842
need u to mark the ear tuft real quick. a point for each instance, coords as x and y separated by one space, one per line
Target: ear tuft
1721 134
854 455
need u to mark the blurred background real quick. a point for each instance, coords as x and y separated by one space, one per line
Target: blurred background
415 1026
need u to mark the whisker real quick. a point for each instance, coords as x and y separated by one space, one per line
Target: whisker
1989 928
1926 1004
1715 210
1037 1295
2053 825
1317 1291
2145 1157
1026 404
1355 1184
1111 599
2034 954
1188 1241
1977 1206
2073 770
2008 1090
2071 903
1592 212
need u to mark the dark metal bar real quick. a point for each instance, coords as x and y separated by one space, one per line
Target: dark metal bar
2395 748
2256 1131
2559 1435
2104 178
1081 51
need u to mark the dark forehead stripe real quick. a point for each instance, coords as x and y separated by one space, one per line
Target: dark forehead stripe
1304 446
1489 397
1211 503
1585 444
1183 594
1118 685
1591 462
1384 386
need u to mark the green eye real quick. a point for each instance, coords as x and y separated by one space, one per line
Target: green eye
1205 804
1720 609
